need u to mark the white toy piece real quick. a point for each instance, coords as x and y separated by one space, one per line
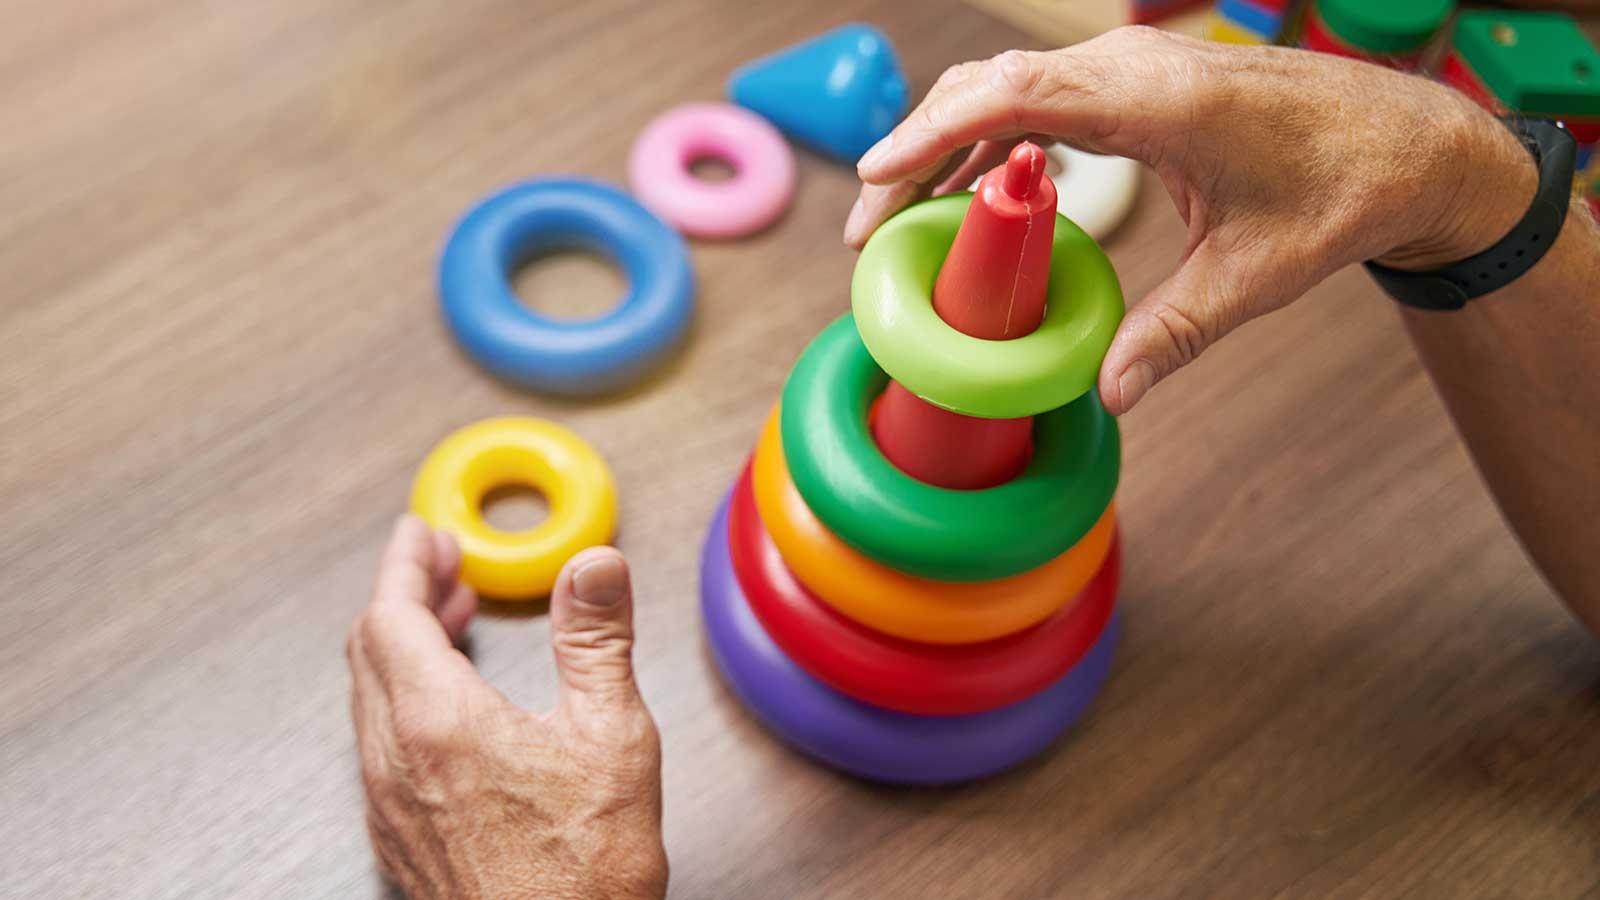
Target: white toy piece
1096 192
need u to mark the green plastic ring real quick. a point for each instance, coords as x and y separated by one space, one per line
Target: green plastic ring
891 294
1386 27
929 531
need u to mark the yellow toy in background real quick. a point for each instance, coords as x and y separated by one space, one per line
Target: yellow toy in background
1221 30
504 452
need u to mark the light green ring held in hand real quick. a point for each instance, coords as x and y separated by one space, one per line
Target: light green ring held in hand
929 531
891 294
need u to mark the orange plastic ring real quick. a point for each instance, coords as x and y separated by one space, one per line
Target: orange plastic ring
917 609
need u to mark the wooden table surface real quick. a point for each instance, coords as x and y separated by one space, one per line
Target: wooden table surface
223 361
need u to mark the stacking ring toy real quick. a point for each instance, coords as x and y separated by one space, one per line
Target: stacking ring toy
512 450
864 740
1096 192
919 528
891 294
890 601
565 357
922 679
759 192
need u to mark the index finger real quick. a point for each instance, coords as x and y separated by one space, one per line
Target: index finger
980 104
1105 95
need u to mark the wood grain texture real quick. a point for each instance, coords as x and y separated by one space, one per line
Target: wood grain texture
223 360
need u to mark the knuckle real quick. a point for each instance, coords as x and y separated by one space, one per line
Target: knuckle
642 749
598 642
422 733
1013 84
1016 71
623 739
1018 75
1135 35
932 113
638 732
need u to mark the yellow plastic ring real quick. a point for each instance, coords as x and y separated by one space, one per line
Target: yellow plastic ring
516 450
890 601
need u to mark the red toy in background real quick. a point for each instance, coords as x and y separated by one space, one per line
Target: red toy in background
991 286
1396 33
1145 12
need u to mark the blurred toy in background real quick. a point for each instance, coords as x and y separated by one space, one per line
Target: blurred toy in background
661 170
1394 33
576 358
838 93
1248 21
1532 64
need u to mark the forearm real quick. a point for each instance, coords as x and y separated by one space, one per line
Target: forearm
1519 371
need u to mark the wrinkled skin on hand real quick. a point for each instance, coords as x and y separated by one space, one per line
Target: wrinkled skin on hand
469 796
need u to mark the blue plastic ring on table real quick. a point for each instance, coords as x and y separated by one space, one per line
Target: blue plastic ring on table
869 741
566 357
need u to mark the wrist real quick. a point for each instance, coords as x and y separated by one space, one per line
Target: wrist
1488 181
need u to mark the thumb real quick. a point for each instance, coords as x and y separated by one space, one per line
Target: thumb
591 630
1166 330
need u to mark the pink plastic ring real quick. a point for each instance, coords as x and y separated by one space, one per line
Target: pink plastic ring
759 191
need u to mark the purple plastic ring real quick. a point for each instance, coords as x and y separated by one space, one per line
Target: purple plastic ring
869 741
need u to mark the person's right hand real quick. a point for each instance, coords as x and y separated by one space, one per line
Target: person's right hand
1286 165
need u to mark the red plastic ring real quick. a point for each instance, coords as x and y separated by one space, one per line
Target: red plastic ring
922 679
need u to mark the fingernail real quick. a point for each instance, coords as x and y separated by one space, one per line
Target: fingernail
1135 381
853 223
601 583
877 153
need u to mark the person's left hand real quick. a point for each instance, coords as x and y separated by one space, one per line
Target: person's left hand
469 795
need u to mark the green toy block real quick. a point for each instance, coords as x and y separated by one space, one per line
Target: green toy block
1385 27
1536 63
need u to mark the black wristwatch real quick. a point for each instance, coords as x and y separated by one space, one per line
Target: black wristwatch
1554 152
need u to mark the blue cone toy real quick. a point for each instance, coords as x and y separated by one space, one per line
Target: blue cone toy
838 93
